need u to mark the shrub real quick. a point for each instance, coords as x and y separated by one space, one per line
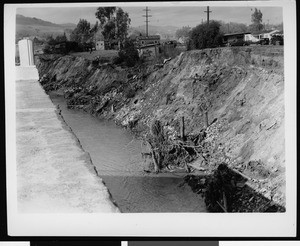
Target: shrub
205 36
128 54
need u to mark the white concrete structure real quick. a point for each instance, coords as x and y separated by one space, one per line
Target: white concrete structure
54 174
27 69
26 52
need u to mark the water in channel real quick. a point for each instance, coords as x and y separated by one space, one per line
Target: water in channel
117 157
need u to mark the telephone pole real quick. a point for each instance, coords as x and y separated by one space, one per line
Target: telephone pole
207 11
147 16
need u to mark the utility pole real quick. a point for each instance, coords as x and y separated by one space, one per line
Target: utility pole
207 11
147 16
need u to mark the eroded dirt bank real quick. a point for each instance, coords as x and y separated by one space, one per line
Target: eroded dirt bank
242 90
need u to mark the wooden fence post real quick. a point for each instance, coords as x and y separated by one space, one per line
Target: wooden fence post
206 118
182 134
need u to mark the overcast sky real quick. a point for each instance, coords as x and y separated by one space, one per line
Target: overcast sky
163 16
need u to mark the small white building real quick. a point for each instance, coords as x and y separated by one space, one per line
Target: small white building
268 34
249 37
100 45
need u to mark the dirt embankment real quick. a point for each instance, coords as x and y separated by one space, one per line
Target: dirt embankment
241 88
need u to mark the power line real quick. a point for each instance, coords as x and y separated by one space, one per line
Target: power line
147 16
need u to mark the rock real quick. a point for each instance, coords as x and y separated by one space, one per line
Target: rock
198 164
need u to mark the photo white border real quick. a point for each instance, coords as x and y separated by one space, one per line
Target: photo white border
259 243
156 224
14 243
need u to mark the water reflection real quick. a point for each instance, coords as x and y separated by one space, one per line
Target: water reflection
117 157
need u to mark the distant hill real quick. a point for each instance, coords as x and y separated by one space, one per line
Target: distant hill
164 31
23 20
34 27
68 25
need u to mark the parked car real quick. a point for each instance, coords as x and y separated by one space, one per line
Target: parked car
239 43
264 41
277 40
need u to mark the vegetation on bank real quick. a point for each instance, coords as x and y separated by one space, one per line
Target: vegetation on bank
189 144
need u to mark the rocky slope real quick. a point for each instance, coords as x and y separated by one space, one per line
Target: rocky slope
242 89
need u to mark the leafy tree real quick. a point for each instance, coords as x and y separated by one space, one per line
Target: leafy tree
256 19
128 53
81 33
61 38
123 22
135 33
233 27
50 40
183 32
205 36
114 23
95 28
105 14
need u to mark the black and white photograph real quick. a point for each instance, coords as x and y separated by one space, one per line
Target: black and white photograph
129 117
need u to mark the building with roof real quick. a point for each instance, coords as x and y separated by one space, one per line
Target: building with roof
269 34
148 52
100 45
147 40
234 37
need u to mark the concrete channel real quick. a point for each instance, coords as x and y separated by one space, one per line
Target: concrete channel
54 173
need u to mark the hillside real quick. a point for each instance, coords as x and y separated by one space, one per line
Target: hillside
244 89
29 27
23 20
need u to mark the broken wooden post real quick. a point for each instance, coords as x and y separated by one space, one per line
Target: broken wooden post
225 202
182 129
206 118
155 162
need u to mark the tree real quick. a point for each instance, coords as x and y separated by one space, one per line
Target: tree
128 53
256 19
114 23
122 22
105 14
183 32
61 38
233 27
95 28
82 32
205 36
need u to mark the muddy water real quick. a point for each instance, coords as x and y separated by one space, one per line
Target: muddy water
117 157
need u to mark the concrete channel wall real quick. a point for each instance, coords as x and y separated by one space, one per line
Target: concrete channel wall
54 174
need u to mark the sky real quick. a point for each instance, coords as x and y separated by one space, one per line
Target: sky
161 15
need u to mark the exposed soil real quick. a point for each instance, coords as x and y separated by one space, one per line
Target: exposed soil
242 89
